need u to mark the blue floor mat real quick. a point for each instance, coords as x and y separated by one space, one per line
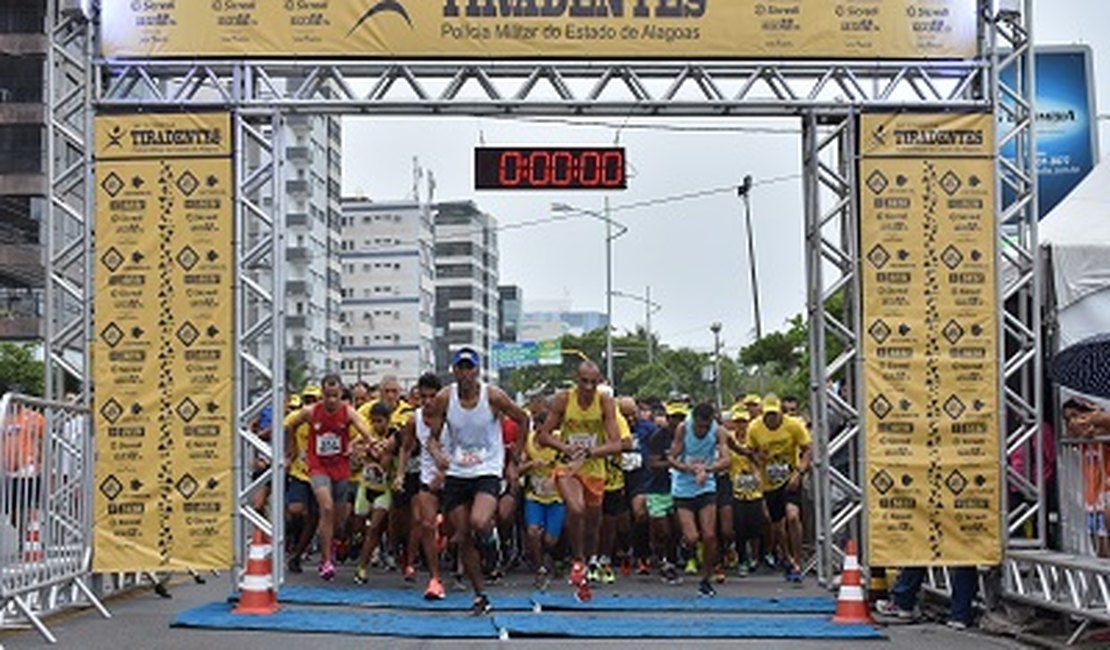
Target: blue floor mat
722 604
394 599
665 627
218 616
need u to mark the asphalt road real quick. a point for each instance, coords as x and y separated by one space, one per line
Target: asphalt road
140 620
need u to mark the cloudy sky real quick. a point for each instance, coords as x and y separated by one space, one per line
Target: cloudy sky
691 252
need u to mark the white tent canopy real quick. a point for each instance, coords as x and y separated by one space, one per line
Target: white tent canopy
1077 235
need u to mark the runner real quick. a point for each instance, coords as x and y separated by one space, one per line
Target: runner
636 480
616 524
471 453
698 452
544 511
374 497
499 557
328 449
748 496
587 421
302 515
399 513
425 502
782 444
660 504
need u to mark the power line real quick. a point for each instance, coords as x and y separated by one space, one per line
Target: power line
647 203
675 128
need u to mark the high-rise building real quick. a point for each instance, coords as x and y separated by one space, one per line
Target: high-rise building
313 150
23 181
510 308
388 290
466 282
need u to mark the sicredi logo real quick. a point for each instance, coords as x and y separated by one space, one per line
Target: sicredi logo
381 7
573 9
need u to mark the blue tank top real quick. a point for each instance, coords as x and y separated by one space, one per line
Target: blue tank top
683 485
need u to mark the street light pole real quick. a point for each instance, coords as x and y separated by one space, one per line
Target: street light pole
608 294
745 192
716 329
647 312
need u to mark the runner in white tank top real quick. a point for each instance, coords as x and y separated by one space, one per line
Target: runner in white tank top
465 438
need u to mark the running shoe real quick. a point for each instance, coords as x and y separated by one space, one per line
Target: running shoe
706 590
719 574
732 559
327 570
670 574
577 574
434 590
691 566
409 573
959 626
607 575
295 564
742 571
888 612
543 580
642 567
626 566
583 593
360 576
480 606
793 576
770 561
390 563
594 573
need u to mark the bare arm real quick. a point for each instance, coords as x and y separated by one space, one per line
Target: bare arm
678 446
435 416
613 443
723 460
499 400
554 420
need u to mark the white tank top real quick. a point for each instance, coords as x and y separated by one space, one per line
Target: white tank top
474 437
427 461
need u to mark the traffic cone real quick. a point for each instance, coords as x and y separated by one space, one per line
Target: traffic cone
851 607
32 542
256 589
878 588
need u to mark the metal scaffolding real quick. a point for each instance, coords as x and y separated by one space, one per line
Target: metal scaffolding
828 96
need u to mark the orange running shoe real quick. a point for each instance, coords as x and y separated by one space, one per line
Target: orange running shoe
577 574
435 590
626 566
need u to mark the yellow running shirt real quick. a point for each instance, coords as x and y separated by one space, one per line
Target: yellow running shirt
298 469
586 428
746 478
540 486
781 446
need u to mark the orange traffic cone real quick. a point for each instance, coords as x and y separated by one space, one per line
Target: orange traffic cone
32 542
256 589
851 606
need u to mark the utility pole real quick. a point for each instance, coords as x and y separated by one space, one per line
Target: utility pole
647 311
608 295
716 329
745 192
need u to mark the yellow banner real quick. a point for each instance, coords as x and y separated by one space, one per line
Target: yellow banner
930 350
650 29
158 135
164 351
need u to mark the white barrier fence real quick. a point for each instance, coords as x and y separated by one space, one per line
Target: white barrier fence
45 510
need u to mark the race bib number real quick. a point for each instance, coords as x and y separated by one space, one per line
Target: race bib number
373 475
631 462
585 440
778 472
328 444
747 483
469 456
541 486
413 466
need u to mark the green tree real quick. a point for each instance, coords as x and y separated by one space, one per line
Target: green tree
19 370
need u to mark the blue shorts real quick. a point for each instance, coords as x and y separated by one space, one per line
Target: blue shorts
548 516
298 491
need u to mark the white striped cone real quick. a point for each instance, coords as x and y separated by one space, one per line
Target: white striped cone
256 586
32 543
851 605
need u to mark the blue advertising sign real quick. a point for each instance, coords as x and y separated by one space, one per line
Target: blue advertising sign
1066 127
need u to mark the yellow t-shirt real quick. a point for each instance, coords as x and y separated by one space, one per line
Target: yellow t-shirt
540 486
298 469
397 420
585 427
782 447
614 473
746 477
372 475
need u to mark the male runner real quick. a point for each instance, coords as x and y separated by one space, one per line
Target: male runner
699 451
414 444
782 444
747 493
587 423
399 512
375 497
329 447
544 511
616 523
466 440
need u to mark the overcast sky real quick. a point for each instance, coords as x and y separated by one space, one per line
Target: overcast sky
692 253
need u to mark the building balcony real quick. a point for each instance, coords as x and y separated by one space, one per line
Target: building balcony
301 156
21 328
297 220
298 188
298 288
298 254
24 184
298 322
22 265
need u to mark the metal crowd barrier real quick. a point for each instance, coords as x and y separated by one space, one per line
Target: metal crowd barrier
46 477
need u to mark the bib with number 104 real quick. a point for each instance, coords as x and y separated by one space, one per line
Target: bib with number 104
328 444
585 440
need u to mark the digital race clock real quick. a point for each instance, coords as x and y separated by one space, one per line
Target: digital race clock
548 168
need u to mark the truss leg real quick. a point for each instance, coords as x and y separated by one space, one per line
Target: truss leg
93 600
1083 625
23 606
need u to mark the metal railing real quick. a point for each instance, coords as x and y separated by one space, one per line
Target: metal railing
45 510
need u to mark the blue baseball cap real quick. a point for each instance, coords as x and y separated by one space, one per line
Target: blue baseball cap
466 355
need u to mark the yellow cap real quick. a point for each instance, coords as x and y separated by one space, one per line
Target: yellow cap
312 390
294 401
752 398
772 404
740 413
677 408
